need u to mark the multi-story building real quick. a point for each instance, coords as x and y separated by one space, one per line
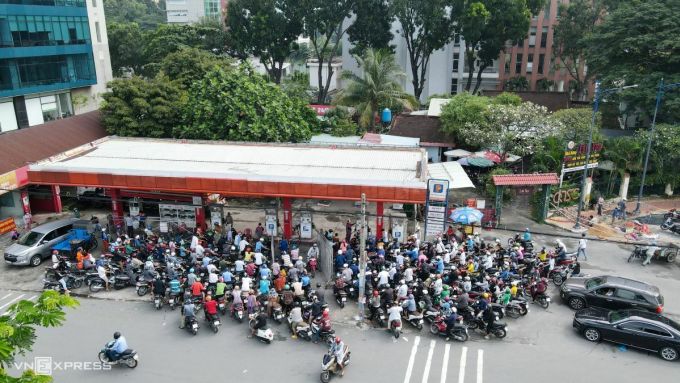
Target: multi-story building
192 11
54 60
534 57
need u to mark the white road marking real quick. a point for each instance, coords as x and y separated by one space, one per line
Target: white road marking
12 301
445 363
411 360
426 373
461 371
5 296
480 365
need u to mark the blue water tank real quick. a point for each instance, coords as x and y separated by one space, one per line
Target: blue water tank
386 116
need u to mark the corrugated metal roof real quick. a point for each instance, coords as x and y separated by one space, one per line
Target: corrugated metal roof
21 147
327 139
451 171
254 162
526 179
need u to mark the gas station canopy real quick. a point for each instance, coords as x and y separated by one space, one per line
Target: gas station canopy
243 169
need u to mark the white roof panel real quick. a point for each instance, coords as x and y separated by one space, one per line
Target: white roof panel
451 171
248 161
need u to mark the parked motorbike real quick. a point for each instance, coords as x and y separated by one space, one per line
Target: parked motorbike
277 314
157 302
142 287
264 335
329 366
172 301
459 332
640 252
129 357
673 227
516 308
304 331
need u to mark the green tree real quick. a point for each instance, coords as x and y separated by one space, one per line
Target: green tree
545 85
239 105
517 83
426 26
125 47
267 29
323 21
664 155
487 26
625 153
188 65
371 27
296 85
143 108
338 122
147 13
466 110
18 330
638 44
378 87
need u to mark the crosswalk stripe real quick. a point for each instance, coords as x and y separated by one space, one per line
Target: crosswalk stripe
480 365
5 296
463 361
445 363
12 301
426 374
409 369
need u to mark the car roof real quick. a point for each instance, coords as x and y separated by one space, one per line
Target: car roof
631 284
649 316
49 226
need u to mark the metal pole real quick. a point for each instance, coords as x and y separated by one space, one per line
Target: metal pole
596 104
659 95
362 259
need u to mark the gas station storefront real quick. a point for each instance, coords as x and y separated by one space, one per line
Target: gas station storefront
198 174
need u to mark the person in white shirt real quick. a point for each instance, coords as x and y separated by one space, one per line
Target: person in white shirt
242 245
402 291
438 285
399 258
286 259
394 313
408 275
392 272
199 250
258 258
294 254
194 242
313 252
212 277
383 278
245 283
582 244
297 288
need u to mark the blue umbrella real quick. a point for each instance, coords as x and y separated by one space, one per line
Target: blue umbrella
466 215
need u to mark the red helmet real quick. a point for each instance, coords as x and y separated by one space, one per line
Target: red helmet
375 293
337 339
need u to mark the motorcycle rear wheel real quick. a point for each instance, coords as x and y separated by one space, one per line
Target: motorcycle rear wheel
558 280
434 329
78 283
96 286
459 337
472 325
544 303
325 377
500 333
131 363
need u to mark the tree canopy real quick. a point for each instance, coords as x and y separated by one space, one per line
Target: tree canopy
267 29
18 330
239 105
147 13
188 65
371 27
126 47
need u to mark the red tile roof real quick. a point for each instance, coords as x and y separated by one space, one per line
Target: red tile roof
526 179
21 147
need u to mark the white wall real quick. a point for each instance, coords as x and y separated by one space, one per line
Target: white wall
34 111
88 99
184 11
8 120
433 154
314 74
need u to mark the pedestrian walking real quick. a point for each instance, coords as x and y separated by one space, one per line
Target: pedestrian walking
600 205
582 244
28 220
348 227
129 222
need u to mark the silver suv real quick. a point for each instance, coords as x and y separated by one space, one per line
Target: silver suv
35 245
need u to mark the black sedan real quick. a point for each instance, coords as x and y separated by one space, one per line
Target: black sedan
634 328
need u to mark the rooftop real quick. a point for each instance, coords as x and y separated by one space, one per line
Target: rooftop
426 128
355 166
526 179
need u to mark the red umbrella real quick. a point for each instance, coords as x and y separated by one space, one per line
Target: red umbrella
489 155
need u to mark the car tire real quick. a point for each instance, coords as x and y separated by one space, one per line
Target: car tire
577 303
669 354
36 260
592 334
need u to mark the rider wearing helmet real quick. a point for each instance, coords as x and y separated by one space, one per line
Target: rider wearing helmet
117 348
338 350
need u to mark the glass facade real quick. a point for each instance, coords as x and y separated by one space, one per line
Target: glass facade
30 31
48 70
51 3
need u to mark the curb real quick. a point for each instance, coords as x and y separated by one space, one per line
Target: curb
81 295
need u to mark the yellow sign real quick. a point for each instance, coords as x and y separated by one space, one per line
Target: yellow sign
8 181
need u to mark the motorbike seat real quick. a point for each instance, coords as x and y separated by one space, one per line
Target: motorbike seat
127 352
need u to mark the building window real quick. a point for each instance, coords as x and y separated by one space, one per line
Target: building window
532 37
546 10
456 40
518 63
94 3
530 63
212 8
456 61
96 29
31 31
541 58
454 85
544 37
47 70
506 63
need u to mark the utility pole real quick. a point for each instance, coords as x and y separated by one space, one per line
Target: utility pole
362 260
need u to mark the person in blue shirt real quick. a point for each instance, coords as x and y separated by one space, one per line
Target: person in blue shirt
470 243
440 265
527 235
206 261
355 268
259 245
412 254
305 280
264 286
227 276
411 303
283 245
119 346
340 260
175 288
264 271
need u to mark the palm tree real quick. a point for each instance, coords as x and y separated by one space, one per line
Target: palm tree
378 87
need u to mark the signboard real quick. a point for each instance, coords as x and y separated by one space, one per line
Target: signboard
306 225
436 207
180 214
216 215
134 207
270 224
197 200
163 227
577 156
7 225
398 229
321 110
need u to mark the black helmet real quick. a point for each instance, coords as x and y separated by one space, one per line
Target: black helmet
116 335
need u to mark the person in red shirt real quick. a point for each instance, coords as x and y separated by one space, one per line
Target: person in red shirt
210 308
250 269
197 289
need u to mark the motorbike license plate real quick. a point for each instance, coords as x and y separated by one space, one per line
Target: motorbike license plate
547 299
171 301
194 325
351 289
344 299
221 305
382 317
216 323
420 321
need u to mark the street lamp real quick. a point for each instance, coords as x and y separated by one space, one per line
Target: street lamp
599 93
659 96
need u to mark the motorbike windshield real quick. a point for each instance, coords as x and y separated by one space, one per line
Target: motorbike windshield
29 239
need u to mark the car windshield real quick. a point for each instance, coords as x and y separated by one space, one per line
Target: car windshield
594 282
616 316
30 238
